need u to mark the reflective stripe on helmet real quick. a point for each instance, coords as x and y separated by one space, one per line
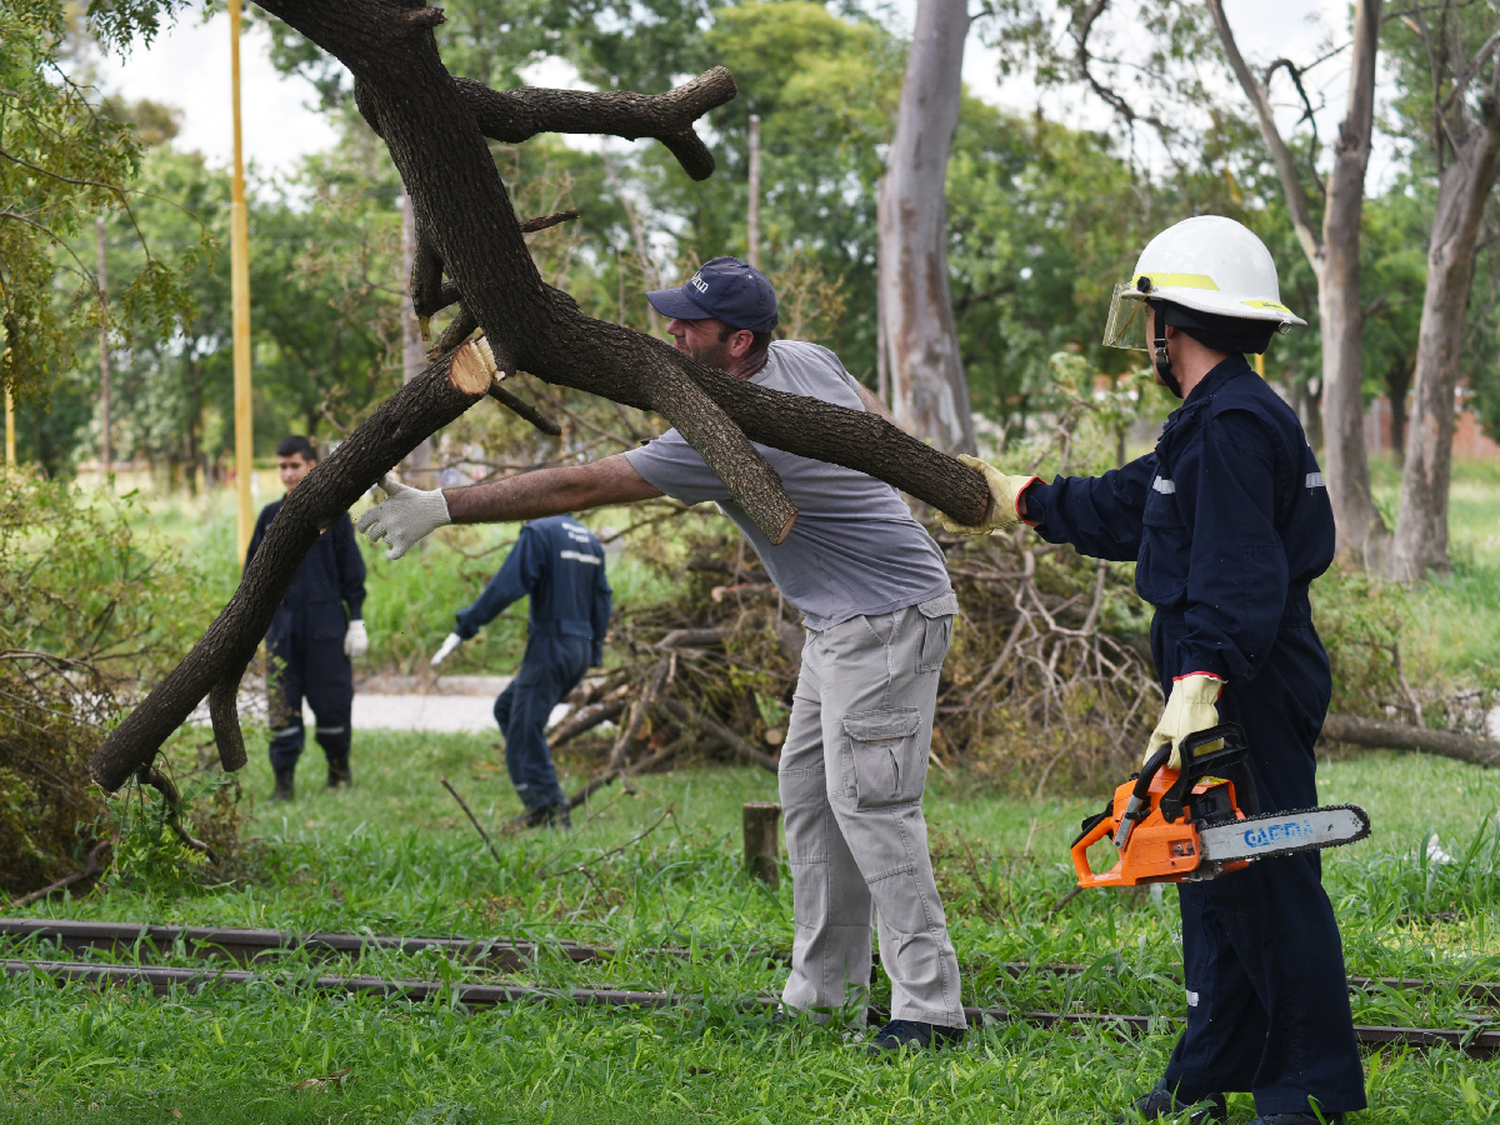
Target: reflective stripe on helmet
1175 281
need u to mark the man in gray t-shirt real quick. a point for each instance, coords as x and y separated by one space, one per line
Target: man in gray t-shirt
875 598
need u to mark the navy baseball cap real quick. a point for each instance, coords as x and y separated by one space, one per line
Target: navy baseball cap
723 289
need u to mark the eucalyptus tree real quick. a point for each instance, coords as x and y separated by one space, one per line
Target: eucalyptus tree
1444 57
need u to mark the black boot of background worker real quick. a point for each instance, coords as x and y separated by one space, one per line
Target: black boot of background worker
339 776
553 816
284 789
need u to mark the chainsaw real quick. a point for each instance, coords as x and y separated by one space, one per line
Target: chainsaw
1173 826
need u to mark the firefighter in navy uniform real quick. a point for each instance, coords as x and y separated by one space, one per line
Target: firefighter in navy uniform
1228 521
310 642
560 564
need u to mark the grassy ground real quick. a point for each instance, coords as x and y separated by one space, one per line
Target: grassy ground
661 867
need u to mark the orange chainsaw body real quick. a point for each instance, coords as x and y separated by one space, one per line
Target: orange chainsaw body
1157 850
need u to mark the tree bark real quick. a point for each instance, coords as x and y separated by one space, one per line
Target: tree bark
1380 735
413 357
1421 543
467 229
930 397
216 663
1334 256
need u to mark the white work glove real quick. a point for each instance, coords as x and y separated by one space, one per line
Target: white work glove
442 654
356 640
1190 708
405 516
1005 493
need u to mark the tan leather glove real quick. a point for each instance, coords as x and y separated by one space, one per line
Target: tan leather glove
1191 707
1005 493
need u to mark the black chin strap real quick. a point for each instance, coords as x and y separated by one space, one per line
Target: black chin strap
1159 354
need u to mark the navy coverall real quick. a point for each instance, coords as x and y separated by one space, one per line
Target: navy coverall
559 563
306 646
1228 522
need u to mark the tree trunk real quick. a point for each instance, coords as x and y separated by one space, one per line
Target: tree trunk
930 397
1362 534
1334 255
1421 543
1380 735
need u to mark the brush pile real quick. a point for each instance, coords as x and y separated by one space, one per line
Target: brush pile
1048 679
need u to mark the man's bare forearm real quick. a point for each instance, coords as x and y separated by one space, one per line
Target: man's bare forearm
549 492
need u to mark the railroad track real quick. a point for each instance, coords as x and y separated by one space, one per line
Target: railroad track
250 946
506 955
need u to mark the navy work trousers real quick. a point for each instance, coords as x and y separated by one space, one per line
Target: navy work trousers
318 670
1268 1000
551 668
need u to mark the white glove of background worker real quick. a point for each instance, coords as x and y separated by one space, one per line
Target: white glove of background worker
1190 708
405 516
442 654
356 640
1005 493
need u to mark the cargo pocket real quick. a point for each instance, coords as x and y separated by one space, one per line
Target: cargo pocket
937 631
887 762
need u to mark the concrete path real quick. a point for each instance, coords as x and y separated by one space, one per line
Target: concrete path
445 704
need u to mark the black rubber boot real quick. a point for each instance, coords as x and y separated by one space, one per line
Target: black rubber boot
284 790
1163 1103
339 776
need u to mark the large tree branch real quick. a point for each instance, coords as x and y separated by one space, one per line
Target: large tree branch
514 116
216 663
468 230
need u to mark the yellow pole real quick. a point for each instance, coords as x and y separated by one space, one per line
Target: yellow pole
1260 363
239 273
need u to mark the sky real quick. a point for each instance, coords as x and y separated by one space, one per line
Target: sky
188 66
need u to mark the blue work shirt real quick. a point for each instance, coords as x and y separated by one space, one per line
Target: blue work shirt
1228 520
560 564
331 575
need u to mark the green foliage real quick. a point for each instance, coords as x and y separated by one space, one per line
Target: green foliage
61 164
91 612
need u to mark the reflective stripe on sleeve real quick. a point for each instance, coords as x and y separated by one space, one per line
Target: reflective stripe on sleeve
1315 480
579 556
1165 487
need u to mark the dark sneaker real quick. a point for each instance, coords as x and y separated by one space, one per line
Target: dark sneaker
1162 1104
912 1035
1299 1119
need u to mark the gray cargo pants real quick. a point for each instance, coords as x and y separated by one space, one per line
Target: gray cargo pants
852 774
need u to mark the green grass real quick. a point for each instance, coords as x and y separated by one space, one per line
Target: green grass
396 855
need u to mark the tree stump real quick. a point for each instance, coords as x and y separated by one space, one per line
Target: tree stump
762 852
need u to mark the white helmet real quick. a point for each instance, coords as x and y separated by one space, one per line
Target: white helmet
1209 264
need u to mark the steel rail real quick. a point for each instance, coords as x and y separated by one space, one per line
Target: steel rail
1479 1041
247 946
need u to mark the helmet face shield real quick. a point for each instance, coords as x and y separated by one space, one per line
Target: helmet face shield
1126 325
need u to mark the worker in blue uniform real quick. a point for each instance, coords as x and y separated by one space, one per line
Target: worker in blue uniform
559 564
1228 521
310 642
